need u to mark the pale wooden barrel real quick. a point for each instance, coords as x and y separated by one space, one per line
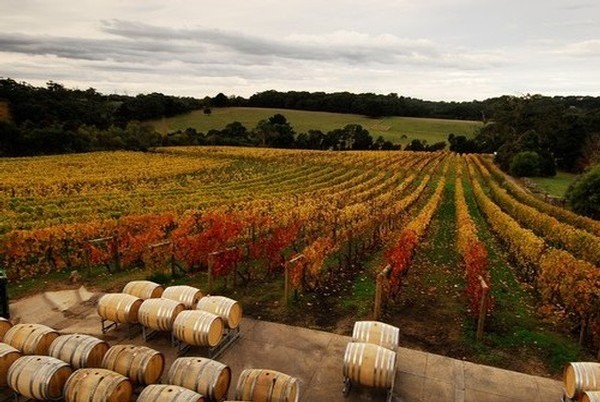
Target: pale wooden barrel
169 393
80 351
144 289
38 377
590 396
119 307
266 386
8 355
199 328
142 365
205 376
229 310
97 385
377 333
4 327
159 314
31 339
187 295
369 364
581 376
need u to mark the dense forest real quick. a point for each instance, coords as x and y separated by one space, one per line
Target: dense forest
532 134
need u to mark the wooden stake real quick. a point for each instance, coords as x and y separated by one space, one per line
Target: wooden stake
286 285
482 308
382 276
116 255
210 265
378 296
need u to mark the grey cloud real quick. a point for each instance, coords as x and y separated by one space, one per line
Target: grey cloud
141 43
282 48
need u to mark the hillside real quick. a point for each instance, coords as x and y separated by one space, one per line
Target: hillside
390 128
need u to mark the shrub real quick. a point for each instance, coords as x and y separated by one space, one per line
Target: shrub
526 163
583 195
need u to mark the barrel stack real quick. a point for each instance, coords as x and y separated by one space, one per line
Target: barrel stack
142 365
4 327
158 315
38 377
188 295
204 376
266 386
8 355
144 289
80 351
370 358
581 381
118 308
97 385
30 339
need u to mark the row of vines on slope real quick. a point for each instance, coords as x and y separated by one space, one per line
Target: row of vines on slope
565 283
264 228
578 242
472 250
563 215
401 252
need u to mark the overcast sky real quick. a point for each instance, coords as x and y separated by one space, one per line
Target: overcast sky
430 49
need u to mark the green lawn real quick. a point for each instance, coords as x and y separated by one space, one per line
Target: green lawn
557 185
390 128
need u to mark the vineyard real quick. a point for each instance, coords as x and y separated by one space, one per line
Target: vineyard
438 242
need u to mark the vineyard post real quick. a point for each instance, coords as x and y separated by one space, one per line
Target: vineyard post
379 292
286 285
582 331
210 266
482 308
115 250
86 258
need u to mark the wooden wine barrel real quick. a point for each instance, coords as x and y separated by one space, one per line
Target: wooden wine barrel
377 333
168 393
97 385
159 314
8 355
581 376
38 377
369 364
590 396
266 386
144 289
4 327
229 310
119 307
30 339
199 328
142 365
80 351
187 295
205 376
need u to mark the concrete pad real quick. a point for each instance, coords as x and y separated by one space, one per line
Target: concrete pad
411 361
437 390
548 389
315 358
62 300
440 368
500 382
409 387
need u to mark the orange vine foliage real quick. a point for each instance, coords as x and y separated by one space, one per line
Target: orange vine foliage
472 250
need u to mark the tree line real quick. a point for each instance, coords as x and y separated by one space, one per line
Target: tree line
531 135
277 132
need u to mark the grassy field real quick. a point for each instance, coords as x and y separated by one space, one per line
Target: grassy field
390 128
557 185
